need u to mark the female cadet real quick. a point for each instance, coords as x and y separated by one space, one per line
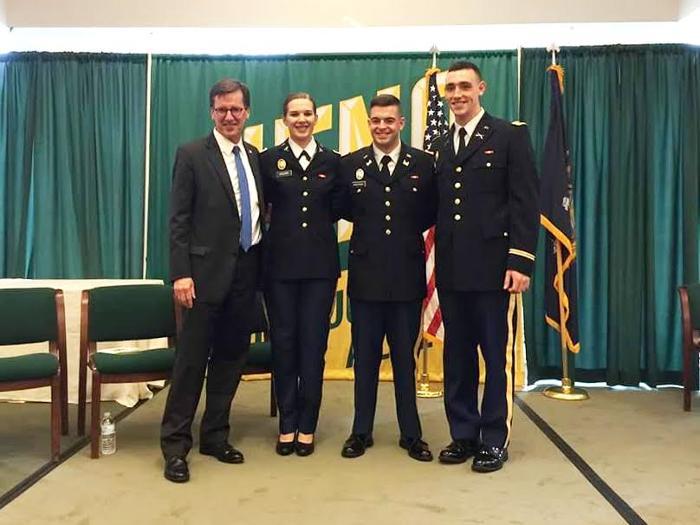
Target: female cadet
302 269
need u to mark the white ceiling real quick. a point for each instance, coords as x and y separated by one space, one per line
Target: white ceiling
331 13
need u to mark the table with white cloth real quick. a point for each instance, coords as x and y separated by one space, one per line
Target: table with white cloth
127 394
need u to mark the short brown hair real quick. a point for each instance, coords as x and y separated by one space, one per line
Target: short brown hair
465 64
384 101
226 86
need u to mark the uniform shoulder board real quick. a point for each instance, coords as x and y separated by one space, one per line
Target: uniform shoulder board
519 123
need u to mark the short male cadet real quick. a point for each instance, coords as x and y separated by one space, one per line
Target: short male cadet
390 197
486 235
215 234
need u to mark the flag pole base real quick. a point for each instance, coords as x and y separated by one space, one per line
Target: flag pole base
566 392
428 390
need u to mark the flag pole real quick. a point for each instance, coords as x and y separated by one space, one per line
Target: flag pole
424 389
567 391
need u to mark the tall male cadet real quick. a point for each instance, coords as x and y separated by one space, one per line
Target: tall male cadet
390 197
215 233
486 235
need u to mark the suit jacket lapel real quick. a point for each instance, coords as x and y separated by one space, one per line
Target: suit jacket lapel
217 162
481 133
255 166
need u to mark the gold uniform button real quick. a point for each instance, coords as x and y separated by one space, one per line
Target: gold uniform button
304 225
387 203
305 178
387 217
387 189
458 169
387 231
458 200
414 188
304 209
458 185
305 193
488 164
458 217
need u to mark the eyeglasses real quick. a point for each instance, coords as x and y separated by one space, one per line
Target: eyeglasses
236 112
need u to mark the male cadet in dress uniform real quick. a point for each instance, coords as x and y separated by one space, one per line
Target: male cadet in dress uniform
390 197
486 235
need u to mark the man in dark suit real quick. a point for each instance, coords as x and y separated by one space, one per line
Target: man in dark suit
215 232
486 235
390 197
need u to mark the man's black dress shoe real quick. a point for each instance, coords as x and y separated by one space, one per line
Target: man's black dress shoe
490 459
459 451
417 448
284 448
304 449
176 470
223 452
355 445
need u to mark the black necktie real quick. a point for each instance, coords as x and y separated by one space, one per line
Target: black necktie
304 155
386 159
462 141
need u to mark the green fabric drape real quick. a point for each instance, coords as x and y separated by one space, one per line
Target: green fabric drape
181 106
632 115
72 165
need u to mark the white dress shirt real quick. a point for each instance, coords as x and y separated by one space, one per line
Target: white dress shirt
469 127
394 154
226 147
310 150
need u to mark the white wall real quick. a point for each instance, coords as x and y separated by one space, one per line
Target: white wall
329 13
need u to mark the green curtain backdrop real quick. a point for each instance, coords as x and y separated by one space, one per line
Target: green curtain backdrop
180 103
72 135
633 114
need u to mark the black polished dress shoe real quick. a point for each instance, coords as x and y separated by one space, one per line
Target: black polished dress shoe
176 470
490 459
284 448
417 448
223 452
304 449
355 445
459 451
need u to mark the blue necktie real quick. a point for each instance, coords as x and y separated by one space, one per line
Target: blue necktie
246 219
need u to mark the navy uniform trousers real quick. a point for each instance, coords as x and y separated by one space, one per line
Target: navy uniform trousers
487 319
302 269
400 321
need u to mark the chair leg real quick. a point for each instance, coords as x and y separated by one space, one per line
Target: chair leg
64 401
56 404
82 398
95 417
687 379
273 400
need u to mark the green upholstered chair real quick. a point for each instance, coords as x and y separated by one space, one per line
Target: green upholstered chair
690 325
260 355
122 313
35 315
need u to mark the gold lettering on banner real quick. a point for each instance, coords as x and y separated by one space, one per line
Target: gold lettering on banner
353 132
392 90
254 135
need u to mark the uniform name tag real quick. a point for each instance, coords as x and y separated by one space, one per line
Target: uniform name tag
359 183
285 173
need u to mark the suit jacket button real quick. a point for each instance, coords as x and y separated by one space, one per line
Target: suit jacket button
387 203
305 193
304 209
304 225
458 217
387 231
458 169
488 164
458 185
458 200
387 217
387 189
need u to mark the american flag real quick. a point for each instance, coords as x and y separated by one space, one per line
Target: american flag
435 125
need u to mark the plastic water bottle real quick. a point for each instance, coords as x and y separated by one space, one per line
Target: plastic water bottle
108 435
